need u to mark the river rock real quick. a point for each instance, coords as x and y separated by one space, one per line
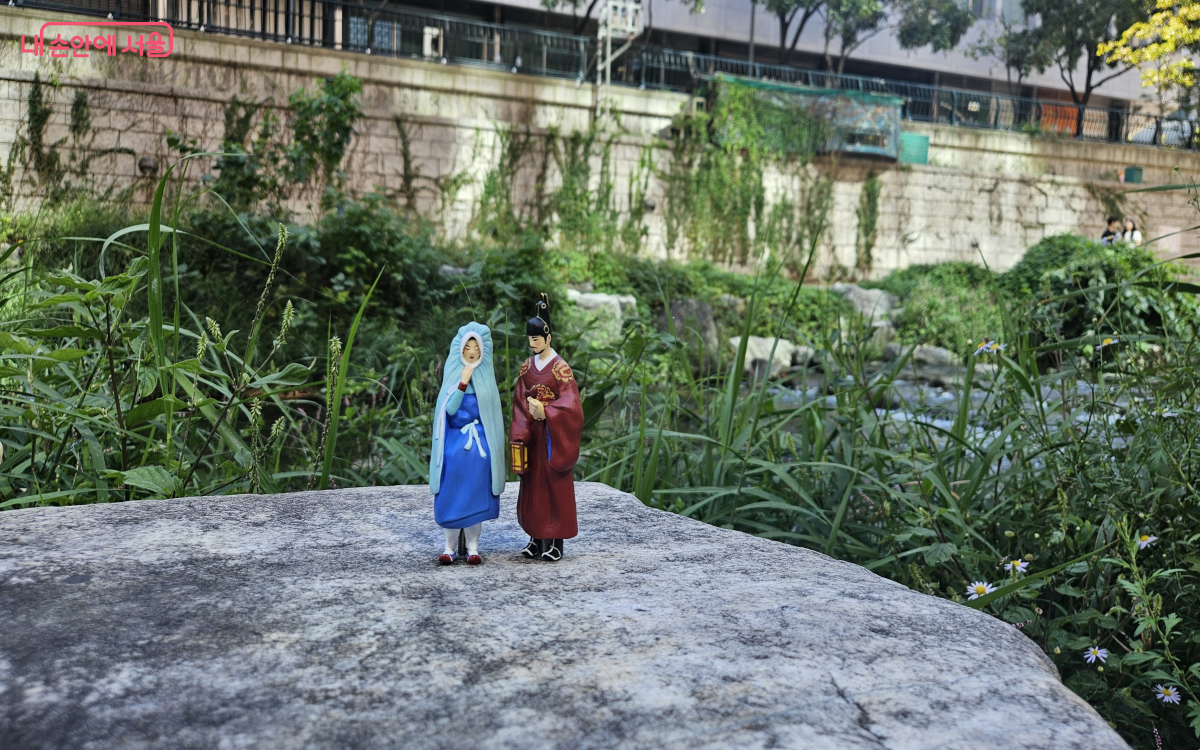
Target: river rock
736 304
882 333
601 315
758 352
934 355
874 303
694 323
322 620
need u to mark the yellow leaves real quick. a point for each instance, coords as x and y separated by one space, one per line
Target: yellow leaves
1154 45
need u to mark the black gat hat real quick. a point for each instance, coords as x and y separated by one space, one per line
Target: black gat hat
539 324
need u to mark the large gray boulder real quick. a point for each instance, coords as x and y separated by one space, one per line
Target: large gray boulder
935 356
874 303
321 620
694 324
759 349
601 315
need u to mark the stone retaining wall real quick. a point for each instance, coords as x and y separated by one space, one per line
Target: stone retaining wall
985 194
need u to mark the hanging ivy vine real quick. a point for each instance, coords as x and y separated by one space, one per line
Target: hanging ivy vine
868 220
715 193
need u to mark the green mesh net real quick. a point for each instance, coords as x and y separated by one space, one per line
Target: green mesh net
802 121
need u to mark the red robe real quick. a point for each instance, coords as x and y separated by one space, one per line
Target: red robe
546 503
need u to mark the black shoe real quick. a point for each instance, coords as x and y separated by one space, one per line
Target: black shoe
533 550
553 551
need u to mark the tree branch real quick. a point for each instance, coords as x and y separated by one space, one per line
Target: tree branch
583 21
1105 80
808 14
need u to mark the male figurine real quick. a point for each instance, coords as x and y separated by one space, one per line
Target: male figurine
547 421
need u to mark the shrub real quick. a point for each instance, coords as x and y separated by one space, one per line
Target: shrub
1113 289
944 304
86 216
903 281
948 316
816 311
1026 277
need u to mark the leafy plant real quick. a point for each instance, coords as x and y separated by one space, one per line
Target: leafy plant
323 124
714 182
867 214
102 405
1084 288
954 317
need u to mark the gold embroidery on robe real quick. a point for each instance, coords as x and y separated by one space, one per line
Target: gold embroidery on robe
525 366
542 392
562 371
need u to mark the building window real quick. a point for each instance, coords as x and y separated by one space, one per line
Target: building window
356 35
1012 12
383 38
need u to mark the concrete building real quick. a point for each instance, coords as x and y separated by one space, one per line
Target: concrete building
980 190
722 28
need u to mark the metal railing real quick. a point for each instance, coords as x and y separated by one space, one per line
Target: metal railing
358 27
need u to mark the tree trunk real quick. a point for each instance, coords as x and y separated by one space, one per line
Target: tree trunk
800 29
784 22
753 7
1081 102
583 21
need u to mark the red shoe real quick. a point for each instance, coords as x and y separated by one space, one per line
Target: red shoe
446 558
474 560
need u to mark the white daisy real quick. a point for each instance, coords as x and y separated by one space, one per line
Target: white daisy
1145 540
1108 342
1167 694
978 589
1093 653
983 347
1017 565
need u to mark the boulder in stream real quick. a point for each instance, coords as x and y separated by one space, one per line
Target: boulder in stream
935 356
694 324
758 353
874 303
602 314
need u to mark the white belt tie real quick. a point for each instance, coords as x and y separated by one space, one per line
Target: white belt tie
473 438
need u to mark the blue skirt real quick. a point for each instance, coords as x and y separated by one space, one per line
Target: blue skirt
465 497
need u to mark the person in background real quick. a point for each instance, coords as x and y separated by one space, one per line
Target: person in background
1112 233
1132 235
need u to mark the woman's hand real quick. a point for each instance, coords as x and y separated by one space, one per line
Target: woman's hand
537 409
468 369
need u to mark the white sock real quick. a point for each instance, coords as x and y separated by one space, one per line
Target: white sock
473 533
451 541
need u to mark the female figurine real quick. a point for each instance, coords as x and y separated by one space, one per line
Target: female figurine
467 466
